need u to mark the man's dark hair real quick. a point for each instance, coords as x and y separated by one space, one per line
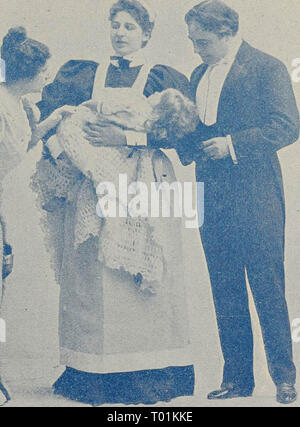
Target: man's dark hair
215 16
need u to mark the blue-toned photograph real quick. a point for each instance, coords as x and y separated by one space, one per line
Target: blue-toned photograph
149 205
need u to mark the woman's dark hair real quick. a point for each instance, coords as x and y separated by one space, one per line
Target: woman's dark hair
139 13
23 57
215 16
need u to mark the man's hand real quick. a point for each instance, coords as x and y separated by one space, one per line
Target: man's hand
216 148
104 135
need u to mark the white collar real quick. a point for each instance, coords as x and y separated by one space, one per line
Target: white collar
136 59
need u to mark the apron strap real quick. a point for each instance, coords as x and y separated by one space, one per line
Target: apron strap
101 74
141 80
100 79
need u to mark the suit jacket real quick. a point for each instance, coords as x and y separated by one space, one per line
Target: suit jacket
258 109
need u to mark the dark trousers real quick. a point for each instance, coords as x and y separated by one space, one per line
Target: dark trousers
243 233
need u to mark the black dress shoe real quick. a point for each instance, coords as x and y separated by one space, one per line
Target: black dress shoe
229 392
286 394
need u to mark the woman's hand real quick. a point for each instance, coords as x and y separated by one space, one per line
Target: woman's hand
104 134
51 122
32 112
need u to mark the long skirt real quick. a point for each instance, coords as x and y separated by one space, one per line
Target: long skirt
119 344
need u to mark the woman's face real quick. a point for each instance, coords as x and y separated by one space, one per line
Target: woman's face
40 80
127 36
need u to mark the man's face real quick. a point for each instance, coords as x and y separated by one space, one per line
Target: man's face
127 36
208 45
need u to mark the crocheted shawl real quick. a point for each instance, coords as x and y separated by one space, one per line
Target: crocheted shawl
136 245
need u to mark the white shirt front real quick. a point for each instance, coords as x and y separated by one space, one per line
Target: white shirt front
210 88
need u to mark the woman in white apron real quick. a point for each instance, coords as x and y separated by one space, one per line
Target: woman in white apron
119 343
25 72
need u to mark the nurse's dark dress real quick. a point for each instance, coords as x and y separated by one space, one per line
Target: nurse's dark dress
118 346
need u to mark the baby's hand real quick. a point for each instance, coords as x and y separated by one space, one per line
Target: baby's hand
58 115
92 105
63 112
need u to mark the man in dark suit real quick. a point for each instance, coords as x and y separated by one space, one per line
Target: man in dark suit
248 112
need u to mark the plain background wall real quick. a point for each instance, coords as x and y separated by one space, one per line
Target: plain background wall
79 29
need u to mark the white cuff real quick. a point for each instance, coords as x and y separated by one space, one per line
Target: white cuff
54 147
136 139
231 149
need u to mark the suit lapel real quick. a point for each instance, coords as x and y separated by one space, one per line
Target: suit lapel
237 72
196 77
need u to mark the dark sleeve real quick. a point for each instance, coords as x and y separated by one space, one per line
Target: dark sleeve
185 149
188 147
161 78
279 126
72 85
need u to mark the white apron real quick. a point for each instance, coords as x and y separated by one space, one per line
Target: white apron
107 324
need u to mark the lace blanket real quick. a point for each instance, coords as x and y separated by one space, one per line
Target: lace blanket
137 245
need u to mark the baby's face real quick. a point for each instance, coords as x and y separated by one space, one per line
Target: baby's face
154 100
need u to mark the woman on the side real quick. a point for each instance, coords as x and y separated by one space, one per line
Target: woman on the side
25 72
121 342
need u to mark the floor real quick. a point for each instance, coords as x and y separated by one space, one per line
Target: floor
29 358
32 390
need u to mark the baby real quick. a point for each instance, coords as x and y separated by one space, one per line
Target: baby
165 115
